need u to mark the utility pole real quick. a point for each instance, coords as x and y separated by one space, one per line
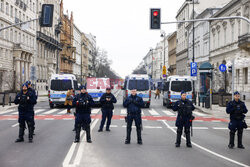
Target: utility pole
193 57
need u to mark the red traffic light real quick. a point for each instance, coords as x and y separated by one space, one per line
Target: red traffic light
155 13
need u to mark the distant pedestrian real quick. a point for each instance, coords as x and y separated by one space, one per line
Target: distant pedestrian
157 93
133 103
237 110
184 118
107 101
69 100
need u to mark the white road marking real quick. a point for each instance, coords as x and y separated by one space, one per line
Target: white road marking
14 113
215 121
49 119
153 112
123 111
39 111
142 113
209 151
49 112
68 119
78 155
62 112
6 112
167 112
152 127
95 111
199 114
15 125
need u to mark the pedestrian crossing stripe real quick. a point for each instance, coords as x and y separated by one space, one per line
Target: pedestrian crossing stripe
95 111
123 111
199 114
168 113
153 112
63 112
50 112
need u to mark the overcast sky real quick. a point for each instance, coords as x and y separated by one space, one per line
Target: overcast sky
122 27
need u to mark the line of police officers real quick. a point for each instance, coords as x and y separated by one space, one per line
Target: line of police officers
83 103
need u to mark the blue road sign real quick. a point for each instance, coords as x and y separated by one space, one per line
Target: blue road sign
194 69
222 67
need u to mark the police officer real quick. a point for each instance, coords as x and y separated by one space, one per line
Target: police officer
133 103
83 103
26 101
237 110
34 92
107 101
31 89
184 118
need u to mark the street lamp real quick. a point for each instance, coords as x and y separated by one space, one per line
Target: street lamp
82 44
152 65
163 35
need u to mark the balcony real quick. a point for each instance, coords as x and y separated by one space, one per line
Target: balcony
244 41
49 41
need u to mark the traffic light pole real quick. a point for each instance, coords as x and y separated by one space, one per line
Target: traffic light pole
17 24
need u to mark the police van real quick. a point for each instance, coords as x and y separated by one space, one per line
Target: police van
141 83
172 89
96 87
59 84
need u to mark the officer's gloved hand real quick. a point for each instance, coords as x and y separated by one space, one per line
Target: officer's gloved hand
135 101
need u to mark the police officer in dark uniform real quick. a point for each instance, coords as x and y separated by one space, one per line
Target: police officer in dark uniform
107 101
133 103
83 103
184 118
237 110
26 100
34 92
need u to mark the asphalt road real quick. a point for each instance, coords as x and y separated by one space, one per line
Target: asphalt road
53 143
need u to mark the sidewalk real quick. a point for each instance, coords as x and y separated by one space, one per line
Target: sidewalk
41 98
220 112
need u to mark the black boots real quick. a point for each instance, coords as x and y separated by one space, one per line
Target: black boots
88 137
178 139
139 140
127 141
78 130
31 131
20 136
188 140
231 139
240 134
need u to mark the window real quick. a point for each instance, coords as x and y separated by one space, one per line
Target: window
7 8
245 73
15 12
61 85
239 28
20 15
140 85
232 32
225 36
7 34
237 76
178 86
19 37
2 6
15 36
11 35
11 11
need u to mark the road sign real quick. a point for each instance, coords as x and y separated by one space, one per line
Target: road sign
164 70
222 67
194 69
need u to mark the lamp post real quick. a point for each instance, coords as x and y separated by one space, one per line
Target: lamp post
152 64
82 44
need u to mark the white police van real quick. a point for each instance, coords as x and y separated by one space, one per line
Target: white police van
172 89
140 82
96 87
59 84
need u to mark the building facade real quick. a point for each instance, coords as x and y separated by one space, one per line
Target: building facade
85 54
201 45
17 44
230 40
186 13
172 54
47 47
67 58
77 43
92 53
